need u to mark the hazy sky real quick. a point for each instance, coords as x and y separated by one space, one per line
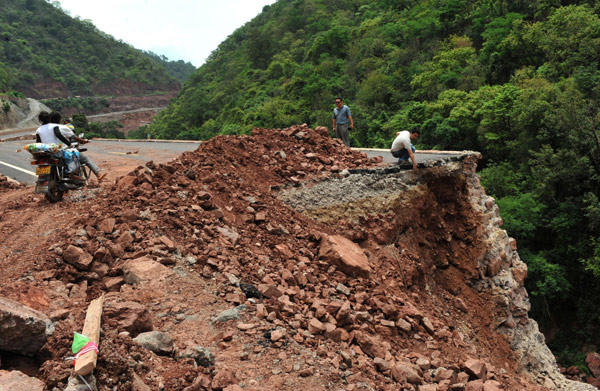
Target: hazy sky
186 30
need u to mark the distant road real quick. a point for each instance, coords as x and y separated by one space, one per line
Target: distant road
119 113
25 131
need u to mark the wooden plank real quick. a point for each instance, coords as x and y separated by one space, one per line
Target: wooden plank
86 363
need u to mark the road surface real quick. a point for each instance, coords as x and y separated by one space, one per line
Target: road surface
15 162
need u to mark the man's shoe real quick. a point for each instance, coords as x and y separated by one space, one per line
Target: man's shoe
101 176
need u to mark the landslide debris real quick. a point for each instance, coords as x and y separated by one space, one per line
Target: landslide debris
212 282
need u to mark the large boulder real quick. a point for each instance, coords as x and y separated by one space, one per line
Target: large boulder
156 341
18 381
23 330
345 255
129 315
144 269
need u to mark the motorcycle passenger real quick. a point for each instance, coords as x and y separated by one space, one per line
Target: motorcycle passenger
52 132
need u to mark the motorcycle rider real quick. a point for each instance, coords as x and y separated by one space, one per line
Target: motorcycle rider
52 132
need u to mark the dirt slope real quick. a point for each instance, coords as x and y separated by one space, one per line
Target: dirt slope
175 244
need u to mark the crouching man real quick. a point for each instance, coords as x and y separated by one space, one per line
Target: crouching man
402 147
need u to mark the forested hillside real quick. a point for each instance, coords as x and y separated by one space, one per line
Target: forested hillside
179 69
45 53
516 80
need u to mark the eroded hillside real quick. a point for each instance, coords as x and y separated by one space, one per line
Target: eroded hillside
277 261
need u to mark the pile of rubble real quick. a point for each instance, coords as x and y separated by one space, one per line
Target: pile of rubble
212 282
9 184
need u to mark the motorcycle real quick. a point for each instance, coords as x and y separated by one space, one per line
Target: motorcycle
55 174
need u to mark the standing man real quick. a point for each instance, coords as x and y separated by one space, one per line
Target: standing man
341 116
402 147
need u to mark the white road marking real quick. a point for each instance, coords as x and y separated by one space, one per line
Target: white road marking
20 169
124 153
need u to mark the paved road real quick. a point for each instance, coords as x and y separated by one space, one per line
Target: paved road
422 156
15 162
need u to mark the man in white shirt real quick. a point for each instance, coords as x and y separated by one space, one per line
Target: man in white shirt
402 147
52 132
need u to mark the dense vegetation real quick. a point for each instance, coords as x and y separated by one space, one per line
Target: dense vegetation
517 80
110 129
41 45
179 69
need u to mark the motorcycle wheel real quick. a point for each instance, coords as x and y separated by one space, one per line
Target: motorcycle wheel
54 194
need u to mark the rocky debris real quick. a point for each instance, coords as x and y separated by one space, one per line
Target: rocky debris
223 379
23 330
233 313
201 355
9 184
257 294
77 257
77 383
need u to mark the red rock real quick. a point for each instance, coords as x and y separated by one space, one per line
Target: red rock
107 226
125 240
113 284
370 344
138 384
276 335
103 255
476 385
23 329
337 335
381 364
492 385
101 269
270 291
77 257
462 377
223 378
127 181
167 242
403 325
444 374
116 250
520 273
306 372
18 381
476 368
260 217
592 360
246 326
315 326
345 255
143 269
285 251
261 311
493 267
403 371
129 316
